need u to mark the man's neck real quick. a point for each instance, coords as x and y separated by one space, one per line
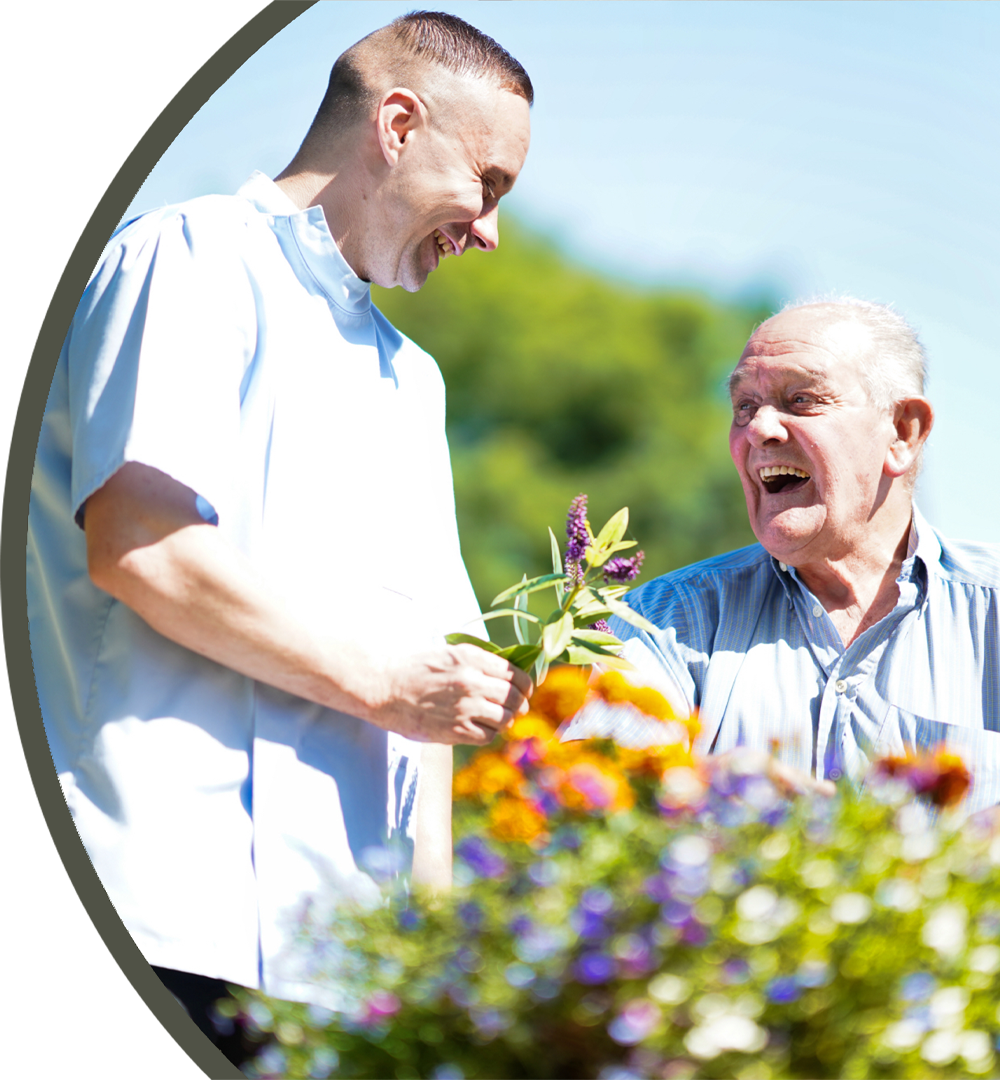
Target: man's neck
860 589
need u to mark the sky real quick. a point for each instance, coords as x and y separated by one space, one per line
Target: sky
747 149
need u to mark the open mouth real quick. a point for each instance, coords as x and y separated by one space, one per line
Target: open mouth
777 478
444 245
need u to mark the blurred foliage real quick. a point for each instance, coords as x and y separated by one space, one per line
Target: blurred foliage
643 915
561 381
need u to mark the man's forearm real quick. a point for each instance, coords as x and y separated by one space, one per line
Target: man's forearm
150 549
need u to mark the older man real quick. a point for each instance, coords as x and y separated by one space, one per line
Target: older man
852 629
242 545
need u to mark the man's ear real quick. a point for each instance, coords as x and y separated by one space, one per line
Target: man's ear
400 112
913 419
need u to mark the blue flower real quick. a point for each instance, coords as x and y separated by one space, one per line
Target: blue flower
471 914
589 925
594 967
782 990
917 987
599 901
481 858
408 919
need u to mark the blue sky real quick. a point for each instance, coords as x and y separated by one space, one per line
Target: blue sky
846 147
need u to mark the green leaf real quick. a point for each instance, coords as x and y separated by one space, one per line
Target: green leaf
521 604
517 612
468 639
576 654
590 614
555 636
614 530
557 566
600 556
521 656
597 637
541 668
623 611
533 585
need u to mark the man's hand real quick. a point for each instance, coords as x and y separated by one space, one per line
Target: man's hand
460 694
149 547
788 780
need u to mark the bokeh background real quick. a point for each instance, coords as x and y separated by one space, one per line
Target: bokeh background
693 167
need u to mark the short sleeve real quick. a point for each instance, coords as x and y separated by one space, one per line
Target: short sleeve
157 352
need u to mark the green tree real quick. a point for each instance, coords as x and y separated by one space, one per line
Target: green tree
562 381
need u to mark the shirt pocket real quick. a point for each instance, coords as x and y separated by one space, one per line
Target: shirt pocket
905 732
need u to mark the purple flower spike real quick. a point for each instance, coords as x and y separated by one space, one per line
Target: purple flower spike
577 536
601 625
622 570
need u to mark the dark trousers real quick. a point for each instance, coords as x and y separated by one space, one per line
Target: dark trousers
199 994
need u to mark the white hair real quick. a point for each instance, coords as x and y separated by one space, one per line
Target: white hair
895 366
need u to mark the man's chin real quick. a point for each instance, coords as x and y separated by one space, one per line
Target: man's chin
785 540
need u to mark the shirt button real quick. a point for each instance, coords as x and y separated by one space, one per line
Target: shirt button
835 774
841 685
784 566
817 611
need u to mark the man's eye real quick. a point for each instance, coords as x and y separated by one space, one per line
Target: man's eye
488 193
743 411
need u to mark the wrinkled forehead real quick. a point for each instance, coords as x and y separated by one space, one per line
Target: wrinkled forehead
813 343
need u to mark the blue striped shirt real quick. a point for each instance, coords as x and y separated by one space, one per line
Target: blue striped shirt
743 640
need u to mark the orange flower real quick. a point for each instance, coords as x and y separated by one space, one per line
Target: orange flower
590 782
563 754
562 694
654 760
940 775
516 819
488 774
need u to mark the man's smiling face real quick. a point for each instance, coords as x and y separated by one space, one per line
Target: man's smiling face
446 187
808 445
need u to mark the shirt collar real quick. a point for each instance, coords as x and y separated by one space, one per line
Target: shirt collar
923 550
315 243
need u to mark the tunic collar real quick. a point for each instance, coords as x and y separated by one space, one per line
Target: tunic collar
314 241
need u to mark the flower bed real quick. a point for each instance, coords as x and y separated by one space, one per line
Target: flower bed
625 914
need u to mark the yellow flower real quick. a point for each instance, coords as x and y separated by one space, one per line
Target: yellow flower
516 819
488 774
617 690
530 726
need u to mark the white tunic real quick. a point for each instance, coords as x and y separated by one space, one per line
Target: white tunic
227 343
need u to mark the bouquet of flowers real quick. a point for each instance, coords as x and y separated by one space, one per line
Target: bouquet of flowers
587 584
629 914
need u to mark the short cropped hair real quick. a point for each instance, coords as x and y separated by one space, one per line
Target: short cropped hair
386 57
895 366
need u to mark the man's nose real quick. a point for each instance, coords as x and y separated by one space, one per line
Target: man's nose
485 230
766 424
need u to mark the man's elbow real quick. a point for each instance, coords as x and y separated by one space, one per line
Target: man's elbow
111 565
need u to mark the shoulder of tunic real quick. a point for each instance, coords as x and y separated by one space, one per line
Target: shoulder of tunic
217 222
